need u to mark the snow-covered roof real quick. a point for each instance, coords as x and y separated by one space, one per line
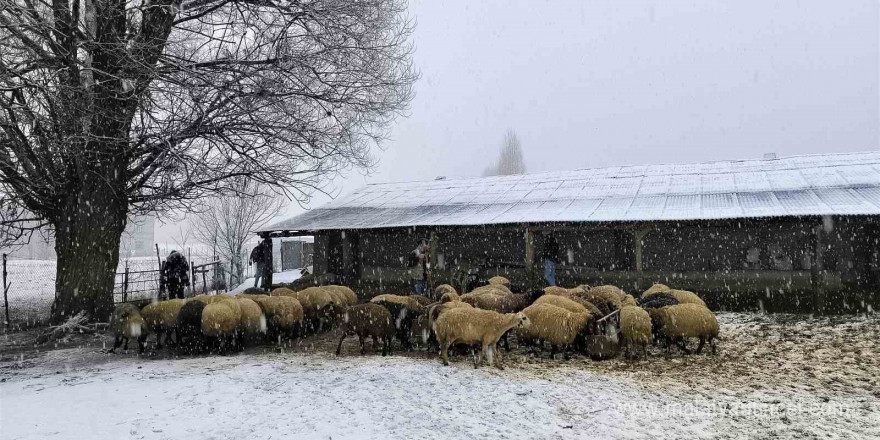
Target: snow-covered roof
829 184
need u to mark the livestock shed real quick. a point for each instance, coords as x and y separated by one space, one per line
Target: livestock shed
789 234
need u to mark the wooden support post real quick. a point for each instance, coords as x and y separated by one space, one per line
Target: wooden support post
268 267
817 274
530 249
432 262
638 236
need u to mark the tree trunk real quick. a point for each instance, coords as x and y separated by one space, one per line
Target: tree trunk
87 237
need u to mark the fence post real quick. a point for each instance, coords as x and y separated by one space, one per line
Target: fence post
125 283
5 289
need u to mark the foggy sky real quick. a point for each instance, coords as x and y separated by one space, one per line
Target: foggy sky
598 83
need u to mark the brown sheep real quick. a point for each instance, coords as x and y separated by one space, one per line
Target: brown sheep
449 296
499 280
654 289
284 315
404 310
679 322
318 307
161 317
348 295
685 297
421 299
555 325
368 320
443 289
635 330
474 326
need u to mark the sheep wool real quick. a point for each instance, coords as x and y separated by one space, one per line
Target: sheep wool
682 321
349 295
221 318
499 280
411 304
210 299
282 291
555 325
368 320
421 299
474 326
561 291
629 300
449 297
498 289
655 289
635 329
443 289
252 320
562 302
404 310
283 313
313 300
161 317
685 297
434 312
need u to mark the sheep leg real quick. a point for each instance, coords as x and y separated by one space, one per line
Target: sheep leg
506 342
363 347
141 340
339 346
116 343
490 355
125 347
386 346
375 343
700 346
159 340
565 356
681 344
444 353
553 350
474 353
494 350
712 344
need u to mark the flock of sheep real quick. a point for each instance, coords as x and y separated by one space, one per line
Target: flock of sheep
599 321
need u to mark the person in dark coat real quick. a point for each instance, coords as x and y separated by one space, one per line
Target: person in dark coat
551 255
175 274
258 259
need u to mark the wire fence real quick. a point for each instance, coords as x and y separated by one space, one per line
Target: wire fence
30 285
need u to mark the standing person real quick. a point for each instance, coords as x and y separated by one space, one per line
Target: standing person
551 253
175 274
258 258
418 267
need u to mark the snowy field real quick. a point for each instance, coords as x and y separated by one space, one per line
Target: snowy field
775 377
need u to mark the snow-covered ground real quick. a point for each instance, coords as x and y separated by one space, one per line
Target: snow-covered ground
275 395
781 376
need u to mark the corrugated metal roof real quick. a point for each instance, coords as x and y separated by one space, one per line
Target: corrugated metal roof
831 184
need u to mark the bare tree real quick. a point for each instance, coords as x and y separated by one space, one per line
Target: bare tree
227 221
112 107
510 161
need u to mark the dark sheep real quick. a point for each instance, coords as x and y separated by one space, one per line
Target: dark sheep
657 300
189 327
368 320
